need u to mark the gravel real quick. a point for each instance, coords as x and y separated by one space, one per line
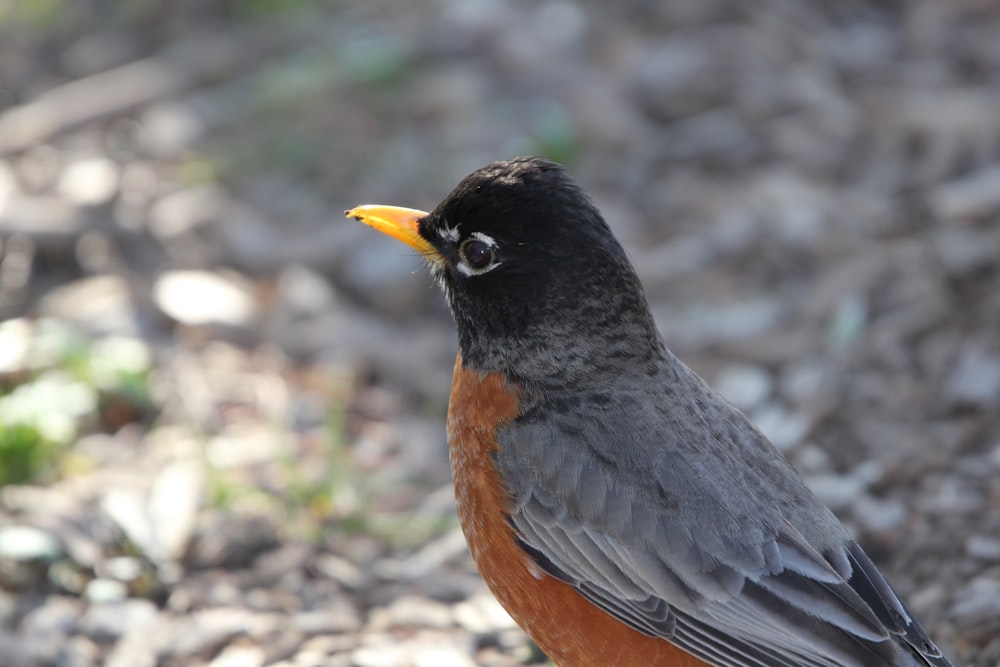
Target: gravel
808 190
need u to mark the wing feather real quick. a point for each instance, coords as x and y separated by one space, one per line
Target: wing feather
659 530
769 619
668 551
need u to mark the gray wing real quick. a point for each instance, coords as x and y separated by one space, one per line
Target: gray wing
721 551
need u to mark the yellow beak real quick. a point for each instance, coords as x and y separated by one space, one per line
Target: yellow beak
400 223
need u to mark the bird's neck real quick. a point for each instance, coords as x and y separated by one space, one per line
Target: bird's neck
571 358
585 327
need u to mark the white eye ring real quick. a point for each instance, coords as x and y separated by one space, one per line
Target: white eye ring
477 254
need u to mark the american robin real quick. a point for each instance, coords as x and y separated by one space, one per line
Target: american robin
622 511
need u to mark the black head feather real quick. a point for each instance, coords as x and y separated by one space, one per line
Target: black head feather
559 298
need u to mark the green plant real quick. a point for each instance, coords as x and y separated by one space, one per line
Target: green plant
58 384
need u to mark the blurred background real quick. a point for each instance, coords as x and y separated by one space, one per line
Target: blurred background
222 409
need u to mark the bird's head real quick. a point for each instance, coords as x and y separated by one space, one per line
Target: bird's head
537 283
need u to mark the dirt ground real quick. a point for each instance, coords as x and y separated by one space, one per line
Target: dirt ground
221 428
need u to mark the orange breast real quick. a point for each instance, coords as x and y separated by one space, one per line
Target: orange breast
571 631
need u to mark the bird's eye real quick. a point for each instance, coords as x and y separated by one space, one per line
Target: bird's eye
478 254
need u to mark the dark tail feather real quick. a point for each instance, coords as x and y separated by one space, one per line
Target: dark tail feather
916 647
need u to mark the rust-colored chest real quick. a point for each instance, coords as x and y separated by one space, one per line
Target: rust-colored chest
571 631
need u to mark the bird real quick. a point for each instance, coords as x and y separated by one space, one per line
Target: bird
620 510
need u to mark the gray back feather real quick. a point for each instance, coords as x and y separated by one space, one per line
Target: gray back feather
695 529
